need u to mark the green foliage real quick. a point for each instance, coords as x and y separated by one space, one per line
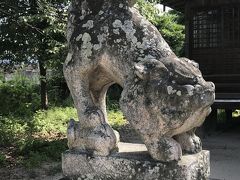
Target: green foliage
115 116
172 32
112 105
2 159
116 119
37 138
236 113
12 130
34 160
170 24
32 30
37 151
58 92
19 130
221 116
18 96
148 10
33 137
68 102
1 77
53 120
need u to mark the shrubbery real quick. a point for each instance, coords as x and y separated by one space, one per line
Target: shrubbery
42 136
170 24
13 130
53 120
116 119
19 96
36 151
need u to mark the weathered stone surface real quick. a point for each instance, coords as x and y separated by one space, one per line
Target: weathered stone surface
134 165
164 97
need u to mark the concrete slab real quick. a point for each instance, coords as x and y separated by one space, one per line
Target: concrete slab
133 162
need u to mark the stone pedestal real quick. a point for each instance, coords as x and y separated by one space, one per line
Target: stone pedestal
133 162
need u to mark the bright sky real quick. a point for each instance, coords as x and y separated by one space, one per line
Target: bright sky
160 7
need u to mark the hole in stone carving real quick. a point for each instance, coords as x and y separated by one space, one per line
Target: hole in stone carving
116 117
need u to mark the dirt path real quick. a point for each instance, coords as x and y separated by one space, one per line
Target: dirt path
48 171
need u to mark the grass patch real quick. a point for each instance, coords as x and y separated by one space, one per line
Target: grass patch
38 151
34 160
30 136
12 130
19 96
115 116
41 137
116 119
32 140
53 121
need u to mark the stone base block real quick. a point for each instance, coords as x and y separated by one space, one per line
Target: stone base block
133 162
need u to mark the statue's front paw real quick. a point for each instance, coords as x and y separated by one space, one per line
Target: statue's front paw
102 140
195 145
189 142
166 149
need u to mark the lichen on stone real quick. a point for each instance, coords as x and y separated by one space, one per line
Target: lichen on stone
164 97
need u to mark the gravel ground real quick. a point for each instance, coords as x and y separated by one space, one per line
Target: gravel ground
225 155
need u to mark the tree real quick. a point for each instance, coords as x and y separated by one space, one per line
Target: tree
170 24
33 31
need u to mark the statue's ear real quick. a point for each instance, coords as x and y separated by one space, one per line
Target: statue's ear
194 63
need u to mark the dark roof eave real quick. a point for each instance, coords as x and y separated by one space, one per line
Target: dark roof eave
178 5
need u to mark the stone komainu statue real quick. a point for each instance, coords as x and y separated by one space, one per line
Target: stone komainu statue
164 97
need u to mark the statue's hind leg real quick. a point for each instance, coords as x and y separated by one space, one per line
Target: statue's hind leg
189 142
91 134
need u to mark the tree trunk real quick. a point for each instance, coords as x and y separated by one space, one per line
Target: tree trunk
43 86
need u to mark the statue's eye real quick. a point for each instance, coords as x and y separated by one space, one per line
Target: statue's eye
162 70
149 66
